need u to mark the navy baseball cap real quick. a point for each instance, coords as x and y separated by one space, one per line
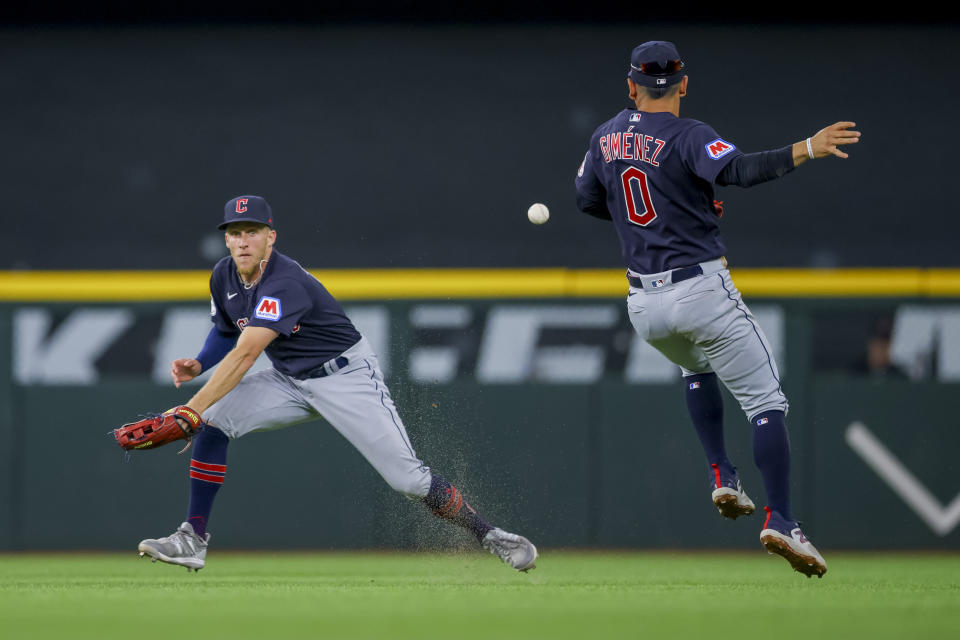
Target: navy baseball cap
247 209
656 64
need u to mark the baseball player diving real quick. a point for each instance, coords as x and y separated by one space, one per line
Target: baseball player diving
651 173
263 301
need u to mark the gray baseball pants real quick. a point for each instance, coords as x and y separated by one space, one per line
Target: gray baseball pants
354 399
703 325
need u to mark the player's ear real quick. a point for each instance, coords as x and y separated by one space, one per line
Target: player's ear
683 86
271 237
632 89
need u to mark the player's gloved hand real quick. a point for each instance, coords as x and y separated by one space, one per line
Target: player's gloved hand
184 370
178 423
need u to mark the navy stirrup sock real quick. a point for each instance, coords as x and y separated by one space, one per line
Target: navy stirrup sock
446 502
771 453
705 405
208 468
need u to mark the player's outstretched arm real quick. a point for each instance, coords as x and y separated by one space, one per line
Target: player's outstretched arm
825 142
252 342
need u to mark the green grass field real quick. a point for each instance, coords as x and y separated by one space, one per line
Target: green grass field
424 595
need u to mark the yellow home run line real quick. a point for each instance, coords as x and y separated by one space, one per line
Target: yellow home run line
386 284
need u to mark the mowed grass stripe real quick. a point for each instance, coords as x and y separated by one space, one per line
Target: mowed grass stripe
472 595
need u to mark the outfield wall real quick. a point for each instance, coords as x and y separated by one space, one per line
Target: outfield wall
532 394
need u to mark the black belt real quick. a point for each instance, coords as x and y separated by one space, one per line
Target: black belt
677 275
328 367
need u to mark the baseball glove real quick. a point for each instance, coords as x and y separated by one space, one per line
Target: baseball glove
179 423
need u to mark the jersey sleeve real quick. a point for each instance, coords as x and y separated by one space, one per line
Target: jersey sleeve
755 168
280 306
705 153
591 196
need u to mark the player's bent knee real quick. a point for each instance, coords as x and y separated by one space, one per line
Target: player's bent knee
412 485
410 492
210 433
752 413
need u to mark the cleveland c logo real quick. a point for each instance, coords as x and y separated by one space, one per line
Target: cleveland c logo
241 205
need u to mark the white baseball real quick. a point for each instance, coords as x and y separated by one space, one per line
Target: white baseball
538 213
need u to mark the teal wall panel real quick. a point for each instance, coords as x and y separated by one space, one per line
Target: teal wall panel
603 463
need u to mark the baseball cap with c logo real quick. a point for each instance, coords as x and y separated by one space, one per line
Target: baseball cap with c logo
247 209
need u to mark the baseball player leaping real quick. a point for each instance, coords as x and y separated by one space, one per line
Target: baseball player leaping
262 301
652 173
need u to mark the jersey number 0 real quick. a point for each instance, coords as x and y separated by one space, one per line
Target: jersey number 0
634 180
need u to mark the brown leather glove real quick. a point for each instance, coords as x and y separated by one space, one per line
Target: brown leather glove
178 423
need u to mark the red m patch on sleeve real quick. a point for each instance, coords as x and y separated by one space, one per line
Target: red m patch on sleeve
718 148
268 308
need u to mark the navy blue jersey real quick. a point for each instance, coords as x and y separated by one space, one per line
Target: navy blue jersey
312 325
654 174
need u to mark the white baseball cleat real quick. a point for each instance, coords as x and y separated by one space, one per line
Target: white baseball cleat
182 547
516 551
784 538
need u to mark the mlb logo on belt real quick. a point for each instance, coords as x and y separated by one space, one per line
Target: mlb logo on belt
762 421
656 283
694 385
718 148
268 309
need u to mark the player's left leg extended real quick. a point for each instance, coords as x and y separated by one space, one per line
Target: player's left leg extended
704 401
357 402
705 405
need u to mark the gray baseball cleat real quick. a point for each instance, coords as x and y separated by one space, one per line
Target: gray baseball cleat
516 551
182 547
784 538
728 494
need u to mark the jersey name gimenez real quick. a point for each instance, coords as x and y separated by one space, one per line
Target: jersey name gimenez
312 325
654 172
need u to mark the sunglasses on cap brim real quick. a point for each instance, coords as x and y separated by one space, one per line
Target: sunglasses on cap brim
656 69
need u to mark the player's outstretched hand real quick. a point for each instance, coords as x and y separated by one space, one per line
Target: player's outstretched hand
184 370
826 141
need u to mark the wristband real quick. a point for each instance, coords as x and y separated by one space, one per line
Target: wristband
810 150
